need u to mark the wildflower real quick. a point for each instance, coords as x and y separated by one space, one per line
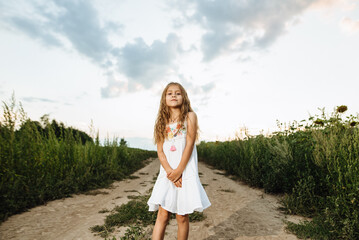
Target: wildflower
353 123
342 109
319 122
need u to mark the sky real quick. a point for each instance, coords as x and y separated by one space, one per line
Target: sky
244 64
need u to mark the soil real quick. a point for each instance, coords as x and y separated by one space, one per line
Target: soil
237 211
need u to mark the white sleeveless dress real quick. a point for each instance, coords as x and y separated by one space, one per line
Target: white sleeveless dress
191 196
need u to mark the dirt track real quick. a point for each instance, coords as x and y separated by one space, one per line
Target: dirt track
237 211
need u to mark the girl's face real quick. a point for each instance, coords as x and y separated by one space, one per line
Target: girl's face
174 96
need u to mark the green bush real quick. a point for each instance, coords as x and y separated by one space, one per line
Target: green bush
39 163
315 165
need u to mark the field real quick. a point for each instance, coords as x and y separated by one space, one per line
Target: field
40 162
314 163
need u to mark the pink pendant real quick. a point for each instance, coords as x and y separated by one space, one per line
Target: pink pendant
173 148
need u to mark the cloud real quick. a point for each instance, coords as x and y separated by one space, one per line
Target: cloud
191 87
114 27
147 64
235 26
201 93
208 87
35 30
45 100
142 65
80 24
349 25
347 5
59 23
82 95
36 99
115 87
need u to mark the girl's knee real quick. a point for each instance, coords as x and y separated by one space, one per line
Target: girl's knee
182 218
163 215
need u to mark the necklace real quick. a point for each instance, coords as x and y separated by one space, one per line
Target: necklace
173 147
174 119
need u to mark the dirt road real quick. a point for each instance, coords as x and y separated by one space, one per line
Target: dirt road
237 211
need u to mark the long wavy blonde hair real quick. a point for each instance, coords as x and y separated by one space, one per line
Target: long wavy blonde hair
163 116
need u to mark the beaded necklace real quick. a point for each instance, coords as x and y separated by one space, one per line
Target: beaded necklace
173 147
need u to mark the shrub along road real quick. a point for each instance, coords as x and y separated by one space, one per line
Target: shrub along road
237 212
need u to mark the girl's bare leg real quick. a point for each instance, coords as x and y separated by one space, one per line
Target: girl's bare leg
183 226
163 217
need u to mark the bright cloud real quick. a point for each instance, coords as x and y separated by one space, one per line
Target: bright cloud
58 23
236 26
349 25
229 27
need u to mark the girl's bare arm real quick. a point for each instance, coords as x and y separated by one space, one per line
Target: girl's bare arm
190 140
162 157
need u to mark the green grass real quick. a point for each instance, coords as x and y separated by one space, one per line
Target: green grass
227 190
134 213
314 163
104 210
46 160
95 192
132 177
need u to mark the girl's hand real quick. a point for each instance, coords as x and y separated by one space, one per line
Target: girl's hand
169 170
178 183
174 175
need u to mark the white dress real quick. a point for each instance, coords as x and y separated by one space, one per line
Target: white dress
191 196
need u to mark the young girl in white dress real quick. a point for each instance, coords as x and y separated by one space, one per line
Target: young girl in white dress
178 188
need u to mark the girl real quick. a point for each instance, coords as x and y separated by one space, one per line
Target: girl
178 188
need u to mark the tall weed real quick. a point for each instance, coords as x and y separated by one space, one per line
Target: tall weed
314 162
40 162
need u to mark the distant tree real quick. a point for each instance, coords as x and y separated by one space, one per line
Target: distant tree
123 142
12 116
58 128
